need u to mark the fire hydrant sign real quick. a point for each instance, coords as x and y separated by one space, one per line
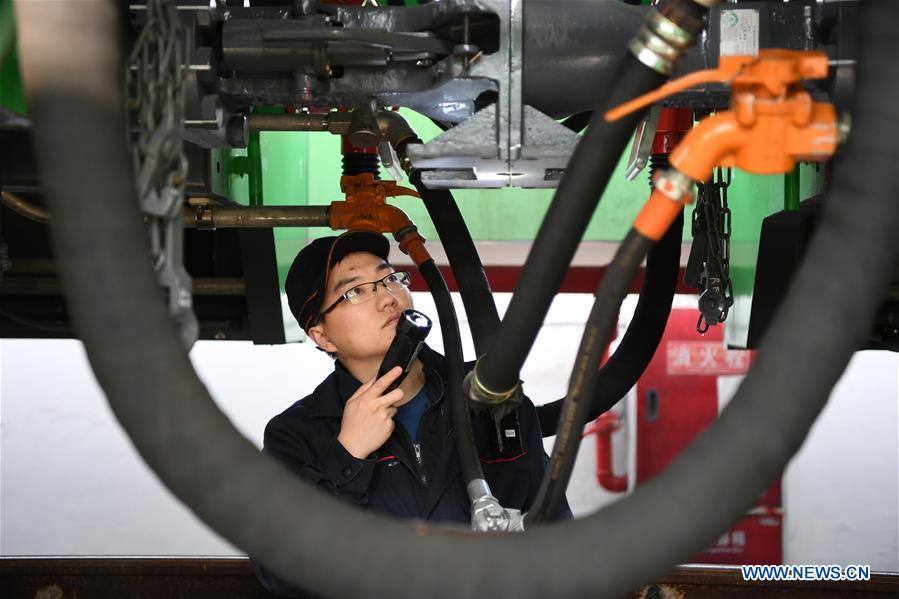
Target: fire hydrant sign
739 32
704 357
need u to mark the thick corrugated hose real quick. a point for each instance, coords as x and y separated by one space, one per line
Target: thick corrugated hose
331 548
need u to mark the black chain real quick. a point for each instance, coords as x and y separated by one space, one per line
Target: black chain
711 242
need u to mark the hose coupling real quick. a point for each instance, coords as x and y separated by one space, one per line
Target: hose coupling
674 184
487 515
667 31
671 190
364 131
480 397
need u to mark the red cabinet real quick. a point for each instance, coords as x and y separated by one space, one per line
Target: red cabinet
677 398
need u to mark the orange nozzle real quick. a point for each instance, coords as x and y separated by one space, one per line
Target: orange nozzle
772 122
413 244
658 213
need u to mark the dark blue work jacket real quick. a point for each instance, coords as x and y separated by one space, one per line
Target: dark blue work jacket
398 480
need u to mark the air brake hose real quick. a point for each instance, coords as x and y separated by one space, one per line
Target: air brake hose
581 387
495 377
463 257
486 512
469 462
640 341
99 240
563 226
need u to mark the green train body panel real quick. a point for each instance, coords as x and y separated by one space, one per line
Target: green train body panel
12 93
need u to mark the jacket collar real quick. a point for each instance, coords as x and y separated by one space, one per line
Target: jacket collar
343 384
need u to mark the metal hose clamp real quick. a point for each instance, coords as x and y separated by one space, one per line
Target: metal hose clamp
480 397
661 41
674 184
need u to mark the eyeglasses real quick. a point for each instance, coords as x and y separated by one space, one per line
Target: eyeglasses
363 292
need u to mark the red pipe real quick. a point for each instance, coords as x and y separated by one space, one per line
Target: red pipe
603 427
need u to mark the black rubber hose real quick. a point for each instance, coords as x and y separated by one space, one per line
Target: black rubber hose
576 198
356 163
640 341
462 254
455 371
253 502
581 387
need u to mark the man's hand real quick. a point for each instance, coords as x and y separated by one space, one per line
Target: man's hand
368 416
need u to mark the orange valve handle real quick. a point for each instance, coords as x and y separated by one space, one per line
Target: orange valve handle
772 122
378 218
366 183
365 207
772 73
669 89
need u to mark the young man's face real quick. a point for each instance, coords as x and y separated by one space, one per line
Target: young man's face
360 331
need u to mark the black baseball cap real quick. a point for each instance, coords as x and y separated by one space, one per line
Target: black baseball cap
305 283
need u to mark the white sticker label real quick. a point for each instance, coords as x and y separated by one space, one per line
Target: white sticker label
740 32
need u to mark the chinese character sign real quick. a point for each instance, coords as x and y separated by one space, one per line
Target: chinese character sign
705 357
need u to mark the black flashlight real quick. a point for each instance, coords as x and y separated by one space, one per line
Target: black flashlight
411 330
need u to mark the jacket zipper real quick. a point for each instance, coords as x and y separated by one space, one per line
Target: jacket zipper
421 467
419 460
417 446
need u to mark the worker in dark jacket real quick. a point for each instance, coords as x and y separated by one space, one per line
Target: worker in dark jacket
393 453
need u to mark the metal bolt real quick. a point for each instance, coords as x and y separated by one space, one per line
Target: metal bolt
844 126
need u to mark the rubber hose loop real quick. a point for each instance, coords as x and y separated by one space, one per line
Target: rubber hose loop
644 333
582 384
563 226
460 415
195 450
477 297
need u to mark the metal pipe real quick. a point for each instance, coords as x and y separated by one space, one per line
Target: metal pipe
25 208
393 125
256 217
210 217
51 285
295 122
395 129
216 286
